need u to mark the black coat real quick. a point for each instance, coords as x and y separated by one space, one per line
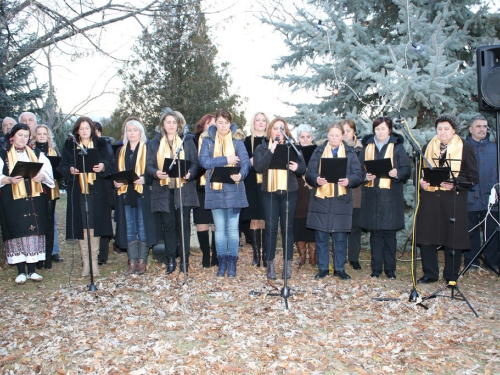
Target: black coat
22 217
160 197
436 208
383 209
152 223
262 158
101 209
332 214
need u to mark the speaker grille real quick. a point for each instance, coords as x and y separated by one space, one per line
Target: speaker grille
490 87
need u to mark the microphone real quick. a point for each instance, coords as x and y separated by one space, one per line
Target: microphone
71 136
186 131
277 139
398 122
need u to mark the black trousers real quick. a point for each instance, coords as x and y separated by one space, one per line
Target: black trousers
49 235
275 210
430 263
354 238
172 229
383 245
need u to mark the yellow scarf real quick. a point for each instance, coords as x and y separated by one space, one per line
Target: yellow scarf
54 193
258 175
277 179
140 166
383 183
454 151
164 151
223 147
91 176
203 178
19 190
328 189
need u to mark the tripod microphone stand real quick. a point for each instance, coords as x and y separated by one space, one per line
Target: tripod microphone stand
83 153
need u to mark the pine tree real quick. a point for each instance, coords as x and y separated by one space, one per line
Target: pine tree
174 66
417 56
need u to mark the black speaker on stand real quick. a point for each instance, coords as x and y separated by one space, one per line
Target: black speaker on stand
488 78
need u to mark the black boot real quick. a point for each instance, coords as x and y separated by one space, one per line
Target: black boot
256 242
264 248
170 265
204 241
215 259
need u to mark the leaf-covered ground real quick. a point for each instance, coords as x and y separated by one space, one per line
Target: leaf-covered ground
153 324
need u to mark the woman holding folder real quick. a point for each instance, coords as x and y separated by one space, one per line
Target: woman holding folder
168 187
136 226
92 185
223 147
45 143
22 204
382 200
330 207
278 185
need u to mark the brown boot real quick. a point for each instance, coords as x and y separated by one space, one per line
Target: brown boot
312 253
132 267
141 267
95 242
84 250
302 249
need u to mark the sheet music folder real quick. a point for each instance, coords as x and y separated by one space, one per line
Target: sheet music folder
91 160
379 168
184 167
333 169
280 157
26 169
125 177
223 174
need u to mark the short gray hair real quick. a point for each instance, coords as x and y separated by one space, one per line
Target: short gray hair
477 117
27 113
304 128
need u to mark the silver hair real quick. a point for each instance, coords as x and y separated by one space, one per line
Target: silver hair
139 126
477 117
26 113
304 128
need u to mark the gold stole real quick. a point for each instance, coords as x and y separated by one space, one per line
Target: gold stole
277 179
91 176
223 147
19 190
203 178
54 193
259 175
383 183
140 166
454 151
165 151
328 189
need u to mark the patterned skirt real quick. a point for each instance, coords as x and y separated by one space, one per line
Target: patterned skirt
25 249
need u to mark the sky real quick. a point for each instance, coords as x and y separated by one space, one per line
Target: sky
242 40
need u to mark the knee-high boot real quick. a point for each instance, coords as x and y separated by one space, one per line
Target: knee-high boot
215 259
94 243
313 260
204 240
301 247
84 250
264 247
256 243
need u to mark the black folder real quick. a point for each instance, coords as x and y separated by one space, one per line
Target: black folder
333 169
184 164
54 162
436 175
91 160
125 177
223 174
379 168
280 157
26 169
307 152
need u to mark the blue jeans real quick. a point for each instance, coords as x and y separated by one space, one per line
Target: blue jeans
339 250
274 205
135 222
226 222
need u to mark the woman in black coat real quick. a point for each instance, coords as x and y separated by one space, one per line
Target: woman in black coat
275 185
137 228
93 185
439 204
382 201
167 191
330 207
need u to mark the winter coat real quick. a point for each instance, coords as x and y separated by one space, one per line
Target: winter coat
332 214
383 209
486 155
231 195
101 209
152 223
262 158
160 196
303 193
436 208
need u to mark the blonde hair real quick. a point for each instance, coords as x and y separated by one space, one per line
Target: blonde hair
252 129
50 138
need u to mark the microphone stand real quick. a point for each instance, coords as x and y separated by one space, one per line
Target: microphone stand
83 152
